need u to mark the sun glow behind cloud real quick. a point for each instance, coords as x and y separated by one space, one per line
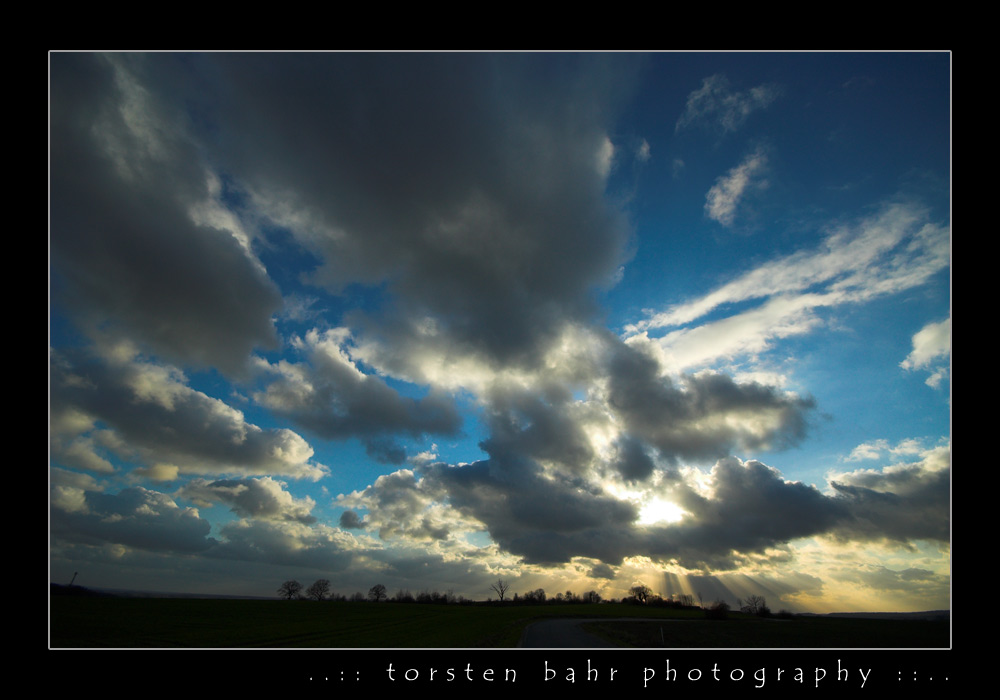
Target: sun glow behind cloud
657 510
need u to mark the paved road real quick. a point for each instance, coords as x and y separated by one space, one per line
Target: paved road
561 633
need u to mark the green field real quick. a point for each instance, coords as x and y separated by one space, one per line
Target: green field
94 622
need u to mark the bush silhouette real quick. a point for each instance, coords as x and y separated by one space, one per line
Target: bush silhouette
719 610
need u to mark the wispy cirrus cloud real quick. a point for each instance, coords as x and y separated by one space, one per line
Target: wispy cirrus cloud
895 249
716 104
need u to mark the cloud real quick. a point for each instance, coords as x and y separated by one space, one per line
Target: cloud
716 104
251 498
930 344
633 462
546 426
153 416
642 153
602 571
159 472
134 517
349 520
544 517
82 453
749 333
481 254
899 503
331 397
911 581
738 514
868 450
135 246
743 508
706 415
895 249
289 543
548 491
876 448
68 489
487 254
400 505
730 189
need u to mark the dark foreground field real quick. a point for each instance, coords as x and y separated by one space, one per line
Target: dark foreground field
798 633
85 622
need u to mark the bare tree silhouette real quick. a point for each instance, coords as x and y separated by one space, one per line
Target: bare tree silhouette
500 587
754 605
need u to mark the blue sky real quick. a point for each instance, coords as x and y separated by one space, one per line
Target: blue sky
578 321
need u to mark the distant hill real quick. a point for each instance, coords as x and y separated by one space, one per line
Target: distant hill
58 589
925 615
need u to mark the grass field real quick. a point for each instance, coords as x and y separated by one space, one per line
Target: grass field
85 622
798 633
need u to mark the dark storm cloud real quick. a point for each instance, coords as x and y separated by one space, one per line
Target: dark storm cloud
744 514
543 519
548 519
539 425
751 508
632 462
899 503
385 450
471 184
127 252
602 571
707 417
349 520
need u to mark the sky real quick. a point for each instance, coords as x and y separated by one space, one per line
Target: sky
579 321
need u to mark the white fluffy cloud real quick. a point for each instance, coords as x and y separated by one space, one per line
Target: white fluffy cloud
153 417
263 498
931 350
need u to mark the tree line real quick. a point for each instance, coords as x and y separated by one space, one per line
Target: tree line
640 594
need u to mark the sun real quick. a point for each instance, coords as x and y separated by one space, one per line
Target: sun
657 510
